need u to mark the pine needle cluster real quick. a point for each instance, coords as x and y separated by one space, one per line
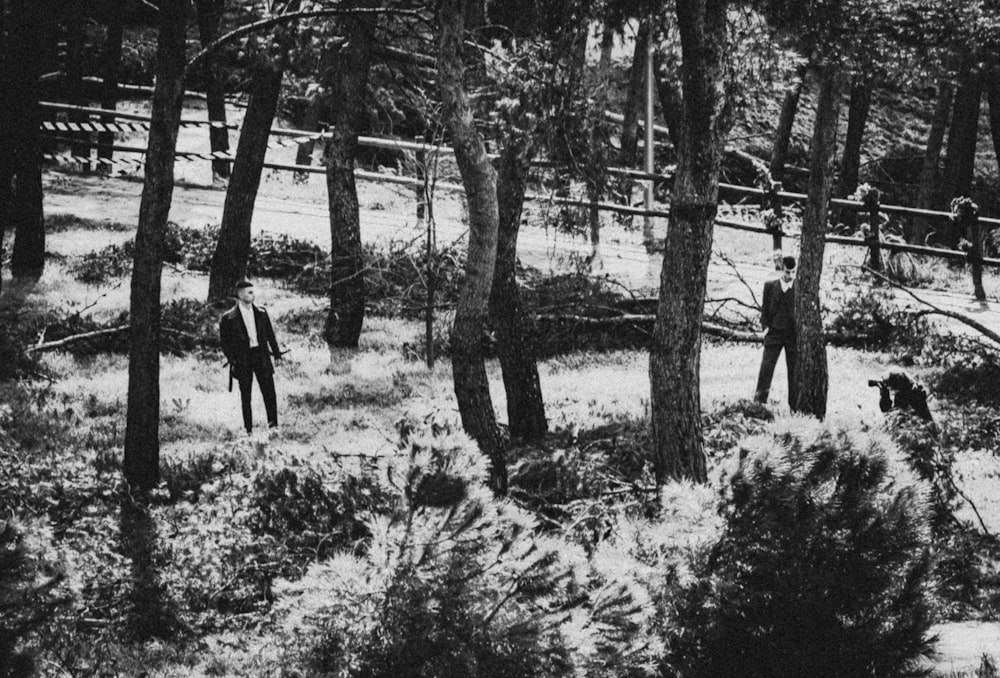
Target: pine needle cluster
458 583
824 566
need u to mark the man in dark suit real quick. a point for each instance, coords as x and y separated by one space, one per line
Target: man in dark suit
246 335
778 319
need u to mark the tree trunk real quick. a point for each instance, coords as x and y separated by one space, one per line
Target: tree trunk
304 153
599 143
515 342
675 355
109 90
472 389
232 252
634 103
75 46
209 17
811 370
993 98
862 88
6 140
30 28
671 104
786 120
929 176
960 160
347 87
142 443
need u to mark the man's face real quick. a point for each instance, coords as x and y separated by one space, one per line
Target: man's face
245 294
788 274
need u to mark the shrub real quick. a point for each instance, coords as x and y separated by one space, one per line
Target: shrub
823 568
869 317
29 593
970 373
457 584
308 517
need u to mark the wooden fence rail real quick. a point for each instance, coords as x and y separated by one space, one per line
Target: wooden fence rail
769 199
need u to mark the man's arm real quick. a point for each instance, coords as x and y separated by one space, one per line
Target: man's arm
269 337
226 338
765 306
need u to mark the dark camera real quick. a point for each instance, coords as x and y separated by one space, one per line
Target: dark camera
876 382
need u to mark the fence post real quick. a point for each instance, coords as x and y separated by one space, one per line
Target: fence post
774 217
965 220
872 200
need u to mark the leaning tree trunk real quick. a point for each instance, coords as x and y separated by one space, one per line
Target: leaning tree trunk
515 338
635 101
347 89
857 117
30 28
929 176
961 155
472 389
142 443
232 252
811 378
112 59
596 171
209 17
786 121
675 355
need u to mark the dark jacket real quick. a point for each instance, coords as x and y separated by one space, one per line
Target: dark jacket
777 312
236 341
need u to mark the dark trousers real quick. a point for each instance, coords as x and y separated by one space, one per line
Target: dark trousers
772 349
265 378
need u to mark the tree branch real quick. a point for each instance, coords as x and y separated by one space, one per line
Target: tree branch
974 324
270 22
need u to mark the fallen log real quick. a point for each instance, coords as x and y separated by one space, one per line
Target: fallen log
57 344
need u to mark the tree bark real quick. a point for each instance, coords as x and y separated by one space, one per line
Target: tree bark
811 370
109 89
30 27
960 160
472 389
862 88
675 356
75 46
598 143
929 175
634 101
209 17
142 444
232 252
304 153
671 102
786 121
515 345
993 99
6 141
347 87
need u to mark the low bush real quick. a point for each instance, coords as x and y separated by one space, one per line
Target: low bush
869 318
307 516
824 566
969 372
30 592
455 583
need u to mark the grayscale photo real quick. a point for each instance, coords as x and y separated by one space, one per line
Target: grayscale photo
499 338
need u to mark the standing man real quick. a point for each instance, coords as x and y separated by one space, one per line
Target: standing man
246 335
778 320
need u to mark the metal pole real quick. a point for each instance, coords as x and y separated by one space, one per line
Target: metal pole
647 225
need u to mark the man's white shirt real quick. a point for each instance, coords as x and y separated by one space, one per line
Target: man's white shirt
785 286
250 321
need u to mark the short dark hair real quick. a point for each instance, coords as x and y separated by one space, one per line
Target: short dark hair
788 263
242 285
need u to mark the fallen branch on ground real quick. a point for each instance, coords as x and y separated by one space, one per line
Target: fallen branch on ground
108 331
